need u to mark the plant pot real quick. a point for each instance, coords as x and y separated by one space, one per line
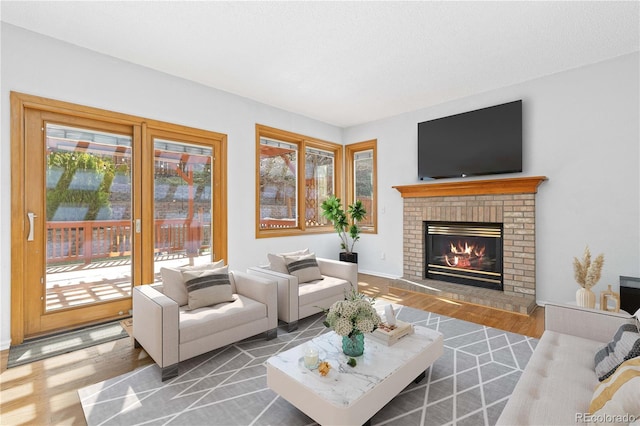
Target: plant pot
349 257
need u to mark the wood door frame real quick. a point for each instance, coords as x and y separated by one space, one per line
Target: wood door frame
19 103
37 319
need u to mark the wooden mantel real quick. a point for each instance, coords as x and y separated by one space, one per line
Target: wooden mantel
520 185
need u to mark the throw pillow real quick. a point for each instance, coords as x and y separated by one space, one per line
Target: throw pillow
209 287
304 267
625 345
619 395
277 263
173 282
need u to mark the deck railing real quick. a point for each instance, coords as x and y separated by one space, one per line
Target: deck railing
101 239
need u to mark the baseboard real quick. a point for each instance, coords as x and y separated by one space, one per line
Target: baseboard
378 274
5 344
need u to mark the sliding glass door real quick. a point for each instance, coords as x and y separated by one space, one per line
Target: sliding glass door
80 241
182 204
88 231
100 203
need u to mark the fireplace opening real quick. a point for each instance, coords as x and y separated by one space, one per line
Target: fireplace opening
464 253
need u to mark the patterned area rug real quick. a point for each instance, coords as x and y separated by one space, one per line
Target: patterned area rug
468 385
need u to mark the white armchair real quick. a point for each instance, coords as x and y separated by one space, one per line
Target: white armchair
299 300
170 333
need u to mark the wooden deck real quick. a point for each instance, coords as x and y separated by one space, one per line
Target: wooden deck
78 284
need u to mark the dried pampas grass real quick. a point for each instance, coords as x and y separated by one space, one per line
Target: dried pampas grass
587 273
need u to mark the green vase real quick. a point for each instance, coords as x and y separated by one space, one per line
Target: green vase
353 345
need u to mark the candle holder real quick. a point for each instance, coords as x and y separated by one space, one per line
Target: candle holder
311 358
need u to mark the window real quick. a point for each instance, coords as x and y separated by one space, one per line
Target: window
295 174
362 180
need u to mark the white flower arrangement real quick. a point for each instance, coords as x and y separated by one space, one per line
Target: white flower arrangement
355 314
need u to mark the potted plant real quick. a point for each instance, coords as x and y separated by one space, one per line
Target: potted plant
345 224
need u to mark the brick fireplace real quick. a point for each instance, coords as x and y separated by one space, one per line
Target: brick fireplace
508 202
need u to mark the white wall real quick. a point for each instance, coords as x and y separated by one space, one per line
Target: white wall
46 67
581 130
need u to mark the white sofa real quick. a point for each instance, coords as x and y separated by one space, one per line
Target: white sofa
170 333
559 380
297 301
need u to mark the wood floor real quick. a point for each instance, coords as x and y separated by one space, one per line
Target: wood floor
45 392
532 325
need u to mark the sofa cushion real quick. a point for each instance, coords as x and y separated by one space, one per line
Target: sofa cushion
625 345
314 291
304 267
560 362
205 321
173 281
277 263
619 394
208 287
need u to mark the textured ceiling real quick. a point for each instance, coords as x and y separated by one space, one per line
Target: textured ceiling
344 63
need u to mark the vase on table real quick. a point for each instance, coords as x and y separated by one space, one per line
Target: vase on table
353 345
585 298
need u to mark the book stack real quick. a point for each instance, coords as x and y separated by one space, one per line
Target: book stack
390 334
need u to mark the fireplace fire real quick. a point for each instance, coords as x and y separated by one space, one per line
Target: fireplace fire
469 256
464 253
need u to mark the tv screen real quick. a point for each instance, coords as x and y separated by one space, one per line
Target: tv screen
480 142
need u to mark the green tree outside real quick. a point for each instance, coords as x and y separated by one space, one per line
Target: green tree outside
80 182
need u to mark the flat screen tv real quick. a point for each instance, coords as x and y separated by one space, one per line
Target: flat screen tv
481 142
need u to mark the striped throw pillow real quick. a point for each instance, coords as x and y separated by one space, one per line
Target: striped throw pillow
625 345
277 263
206 288
618 397
304 267
173 281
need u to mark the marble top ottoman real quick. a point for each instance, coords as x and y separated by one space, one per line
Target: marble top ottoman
352 395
